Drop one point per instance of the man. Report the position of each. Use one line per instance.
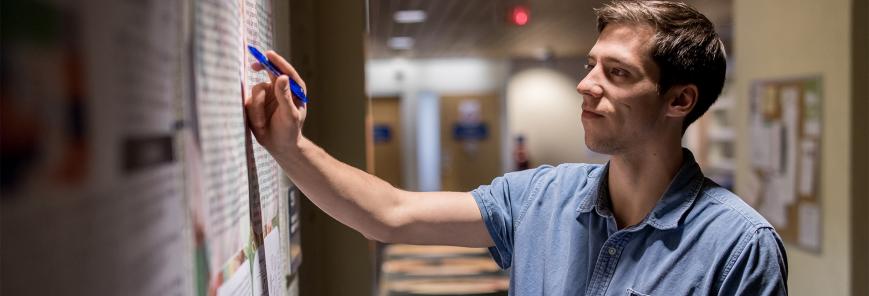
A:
(646, 223)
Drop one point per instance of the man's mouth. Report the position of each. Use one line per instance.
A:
(588, 114)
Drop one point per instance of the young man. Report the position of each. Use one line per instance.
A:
(646, 223)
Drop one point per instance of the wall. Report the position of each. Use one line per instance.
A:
(785, 39)
(451, 75)
(543, 106)
(428, 152)
(327, 50)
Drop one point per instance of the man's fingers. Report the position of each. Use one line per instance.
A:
(285, 67)
(256, 67)
(282, 90)
(286, 97)
(255, 105)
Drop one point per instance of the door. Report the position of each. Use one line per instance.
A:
(470, 139)
(386, 118)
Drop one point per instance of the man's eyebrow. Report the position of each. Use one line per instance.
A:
(615, 60)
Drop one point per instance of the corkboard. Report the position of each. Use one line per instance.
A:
(785, 128)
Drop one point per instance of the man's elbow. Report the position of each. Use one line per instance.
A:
(388, 229)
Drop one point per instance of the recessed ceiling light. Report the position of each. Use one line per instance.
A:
(401, 42)
(409, 16)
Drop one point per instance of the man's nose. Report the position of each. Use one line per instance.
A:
(589, 87)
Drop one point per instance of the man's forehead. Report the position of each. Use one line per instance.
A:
(627, 43)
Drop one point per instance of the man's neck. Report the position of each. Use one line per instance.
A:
(638, 179)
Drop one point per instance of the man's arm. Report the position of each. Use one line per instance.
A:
(353, 197)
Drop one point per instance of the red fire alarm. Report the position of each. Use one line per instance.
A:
(520, 15)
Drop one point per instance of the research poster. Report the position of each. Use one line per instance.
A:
(127, 163)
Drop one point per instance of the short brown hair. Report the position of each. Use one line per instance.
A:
(686, 47)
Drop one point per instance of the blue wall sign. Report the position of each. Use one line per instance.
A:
(470, 131)
(382, 133)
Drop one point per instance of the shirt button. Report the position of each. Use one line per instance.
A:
(612, 251)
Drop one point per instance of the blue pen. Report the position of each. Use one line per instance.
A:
(294, 87)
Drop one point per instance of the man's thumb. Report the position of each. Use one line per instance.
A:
(282, 90)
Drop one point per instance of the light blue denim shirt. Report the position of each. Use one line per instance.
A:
(553, 228)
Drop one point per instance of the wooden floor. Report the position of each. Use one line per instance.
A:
(440, 270)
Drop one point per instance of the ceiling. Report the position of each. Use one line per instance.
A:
(481, 28)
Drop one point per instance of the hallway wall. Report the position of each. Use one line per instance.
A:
(327, 50)
(543, 106)
(787, 39)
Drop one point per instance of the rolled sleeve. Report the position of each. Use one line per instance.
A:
(500, 204)
(496, 224)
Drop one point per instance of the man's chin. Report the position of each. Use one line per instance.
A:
(598, 150)
(600, 147)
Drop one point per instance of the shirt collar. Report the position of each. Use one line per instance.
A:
(673, 205)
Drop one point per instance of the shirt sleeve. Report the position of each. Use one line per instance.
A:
(501, 205)
(759, 269)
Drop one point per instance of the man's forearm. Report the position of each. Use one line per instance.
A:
(351, 196)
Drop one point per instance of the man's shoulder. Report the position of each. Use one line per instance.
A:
(729, 227)
(721, 207)
(582, 170)
(567, 168)
(565, 172)
(754, 251)
(564, 181)
(574, 178)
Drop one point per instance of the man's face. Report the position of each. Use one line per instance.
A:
(621, 107)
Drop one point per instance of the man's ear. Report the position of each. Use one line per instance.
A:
(681, 100)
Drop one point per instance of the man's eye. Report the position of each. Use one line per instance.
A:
(619, 72)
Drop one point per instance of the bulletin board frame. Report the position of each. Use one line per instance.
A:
(786, 129)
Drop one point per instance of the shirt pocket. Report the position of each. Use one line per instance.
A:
(632, 292)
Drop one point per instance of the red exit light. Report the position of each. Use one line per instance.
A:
(520, 15)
